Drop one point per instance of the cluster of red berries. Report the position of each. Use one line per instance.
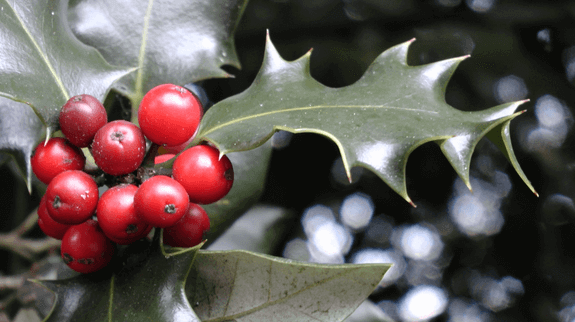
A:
(89, 224)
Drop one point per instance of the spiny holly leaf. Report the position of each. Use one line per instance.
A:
(20, 131)
(42, 64)
(376, 122)
(250, 172)
(248, 286)
(149, 286)
(170, 41)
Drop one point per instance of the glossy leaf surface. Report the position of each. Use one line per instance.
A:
(252, 287)
(20, 131)
(148, 286)
(375, 122)
(41, 62)
(169, 41)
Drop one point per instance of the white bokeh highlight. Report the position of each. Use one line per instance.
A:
(423, 303)
(356, 211)
(418, 242)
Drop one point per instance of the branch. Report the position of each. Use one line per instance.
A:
(27, 248)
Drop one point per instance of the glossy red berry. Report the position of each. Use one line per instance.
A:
(48, 225)
(85, 248)
(189, 231)
(161, 201)
(119, 147)
(72, 197)
(169, 114)
(80, 118)
(205, 177)
(117, 215)
(57, 156)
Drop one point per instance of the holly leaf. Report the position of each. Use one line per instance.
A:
(375, 122)
(42, 64)
(248, 286)
(20, 131)
(149, 286)
(170, 41)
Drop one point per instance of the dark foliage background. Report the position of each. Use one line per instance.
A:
(521, 269)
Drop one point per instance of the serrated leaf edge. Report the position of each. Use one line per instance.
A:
(398, 53)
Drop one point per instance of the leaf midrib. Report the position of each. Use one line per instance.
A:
(280, 300)
(41, 53)
(142, 53)
(306, 108)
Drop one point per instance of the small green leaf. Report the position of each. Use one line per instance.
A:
(42, 64)
(148, 286)
(169, 41)
(20, 131)
(376, 122)
(245, 286)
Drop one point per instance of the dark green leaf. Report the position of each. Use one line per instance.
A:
(20, 131)
(376, 122)
(149, 286)
(41, 62)
(169, 41)
(245, 286)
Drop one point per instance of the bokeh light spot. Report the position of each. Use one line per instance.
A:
(356, 211)
(422, 303)
(420, 243)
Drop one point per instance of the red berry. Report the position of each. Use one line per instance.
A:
(189, 231)
(57, 156)
(49, 226)
(163, 158)
(161, 201)
(169, 114)
(117, 215)
(206, 177)
(119, 147)
(85, 248)
(80, 118)
(72, 197)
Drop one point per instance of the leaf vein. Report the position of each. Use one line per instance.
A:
(111, 302)
(233, 286)
(283, 299)
(306, 108)
(41, 53)
(142, 52)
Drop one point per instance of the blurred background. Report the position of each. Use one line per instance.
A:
(497, 254)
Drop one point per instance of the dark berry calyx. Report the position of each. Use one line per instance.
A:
(57, 203)
(117, 136)
(67, 258)
(229, 174)
(131, 229)
(170, 209)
